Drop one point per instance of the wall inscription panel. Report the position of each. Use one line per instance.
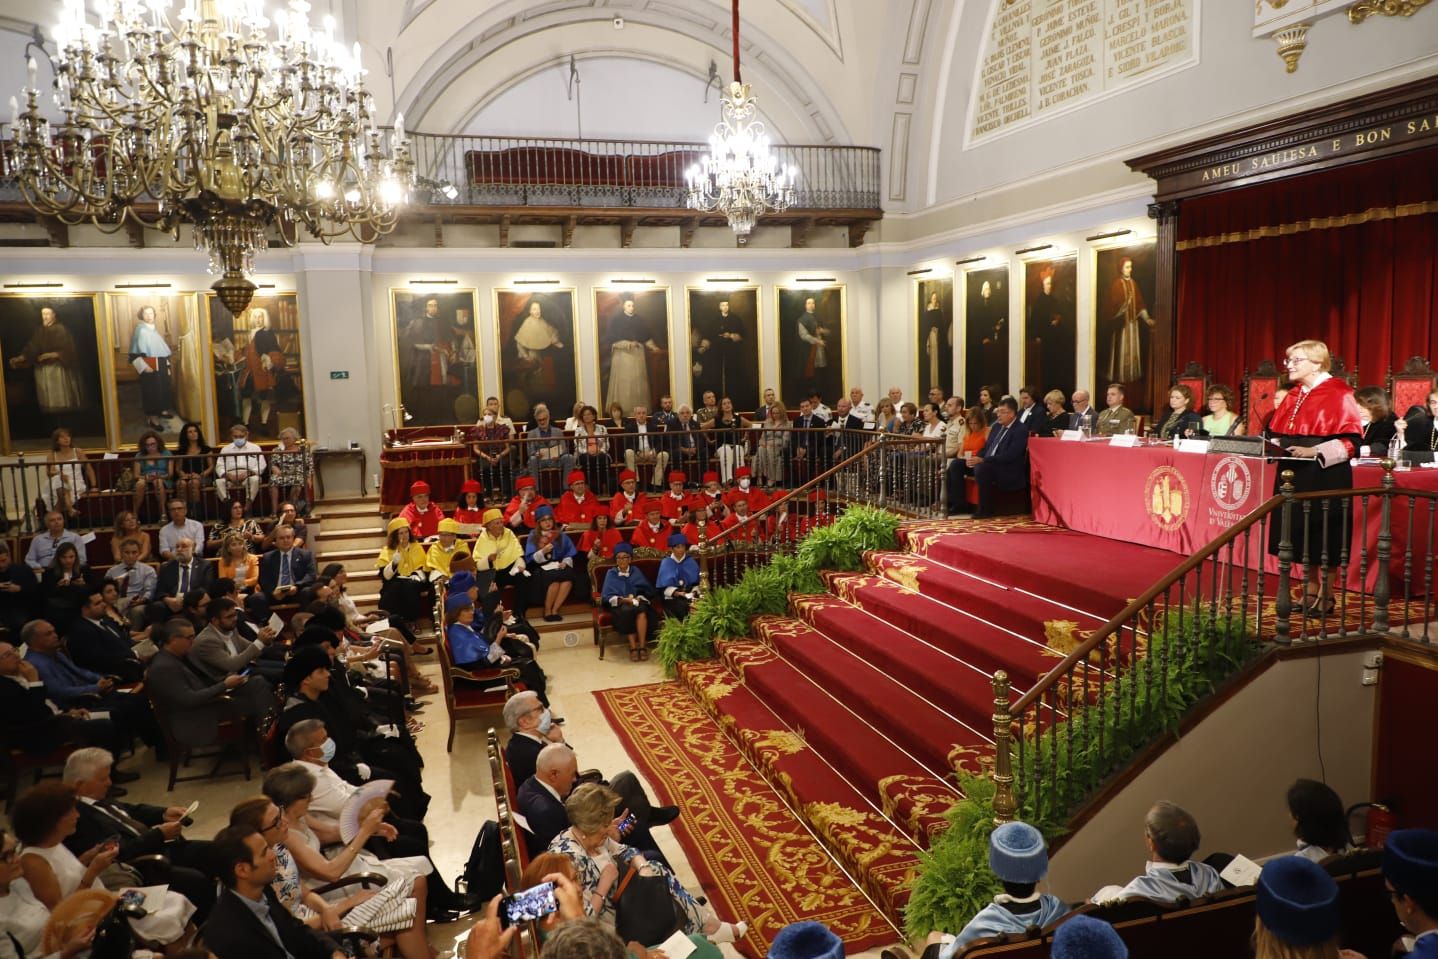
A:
(1047, 56)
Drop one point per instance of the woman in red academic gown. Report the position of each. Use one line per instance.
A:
(1317, 422)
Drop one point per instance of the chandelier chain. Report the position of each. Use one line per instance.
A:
(740, 176)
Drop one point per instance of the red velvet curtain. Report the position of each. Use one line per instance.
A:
(1369, 290)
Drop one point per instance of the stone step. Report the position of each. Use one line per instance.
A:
(332, 522)
(355, 561)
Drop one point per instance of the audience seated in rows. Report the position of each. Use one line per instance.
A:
(38, 725)
(248, 920)
(44, 817)
(139, 829)
(1171, 837)
(399, 907)
(477, 646)
(362, 749)
(195, 704)
(308, 742)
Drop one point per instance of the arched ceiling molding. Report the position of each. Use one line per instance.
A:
(673, 63)
(778, 74)
(412, 9)
(941, 95)
(827, 28)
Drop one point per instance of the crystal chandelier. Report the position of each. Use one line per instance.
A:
(740, 177)
(204, 119)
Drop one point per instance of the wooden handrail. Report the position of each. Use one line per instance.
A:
(813, 483)
(1122, 618)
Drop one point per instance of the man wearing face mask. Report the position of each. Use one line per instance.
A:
(309, 742)
(239, 464)
(362, 754)
(745, 489)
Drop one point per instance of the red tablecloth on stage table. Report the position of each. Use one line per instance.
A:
(1157, 496)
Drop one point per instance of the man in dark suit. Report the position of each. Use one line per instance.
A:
(143, 830)
(94, 644)
(531, 729)
(248, 922)
(30, 720)
(645, 448)
(811, 440)
(18, 584)
(1084, 415)
(1033, 416)
(1003, 463)
(685, 445)
(541, 796)
(286, 569)
(193, 704)
(182, 574)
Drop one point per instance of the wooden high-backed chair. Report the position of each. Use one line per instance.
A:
(1410, 386)
(1259, 388)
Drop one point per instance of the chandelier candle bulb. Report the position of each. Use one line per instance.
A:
(203, 119)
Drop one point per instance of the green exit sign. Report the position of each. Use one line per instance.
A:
(339, 374)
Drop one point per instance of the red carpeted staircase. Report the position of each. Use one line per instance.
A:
(862, 702)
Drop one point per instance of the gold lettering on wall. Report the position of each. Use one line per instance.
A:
(1043, 56)
(1358, 141)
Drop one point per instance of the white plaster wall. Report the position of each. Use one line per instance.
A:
(1239, 807)
(673, 106)
(1239, 80)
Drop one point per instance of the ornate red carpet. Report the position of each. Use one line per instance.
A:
(852, 714)
(753, 856)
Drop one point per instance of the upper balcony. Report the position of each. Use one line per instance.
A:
(571, 182)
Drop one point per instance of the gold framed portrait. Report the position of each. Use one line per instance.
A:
(255, 363)
(724, 353)
(538, 358)
(634, 360)
(812, 350)
(934, 332)
(436, 361)
(51, 353)
(156, 365)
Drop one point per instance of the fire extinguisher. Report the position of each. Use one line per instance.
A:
(1377, 820)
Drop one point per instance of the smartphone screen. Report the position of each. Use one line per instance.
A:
(533, 903)
(627, 824)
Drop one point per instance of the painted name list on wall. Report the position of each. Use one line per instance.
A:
(1046, 56)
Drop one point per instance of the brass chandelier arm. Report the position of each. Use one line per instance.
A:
(216, 124)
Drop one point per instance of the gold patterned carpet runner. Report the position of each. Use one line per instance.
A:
(753, 856)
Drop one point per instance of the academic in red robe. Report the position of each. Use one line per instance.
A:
(646, 535)
(574, 510)
(1325, 417)
(423, 523)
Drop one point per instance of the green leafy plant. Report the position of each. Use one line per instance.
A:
(765, 590)
(954, 877)
(1189, 653)
(681, 641)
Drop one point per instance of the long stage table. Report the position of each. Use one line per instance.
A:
(1157, 496)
